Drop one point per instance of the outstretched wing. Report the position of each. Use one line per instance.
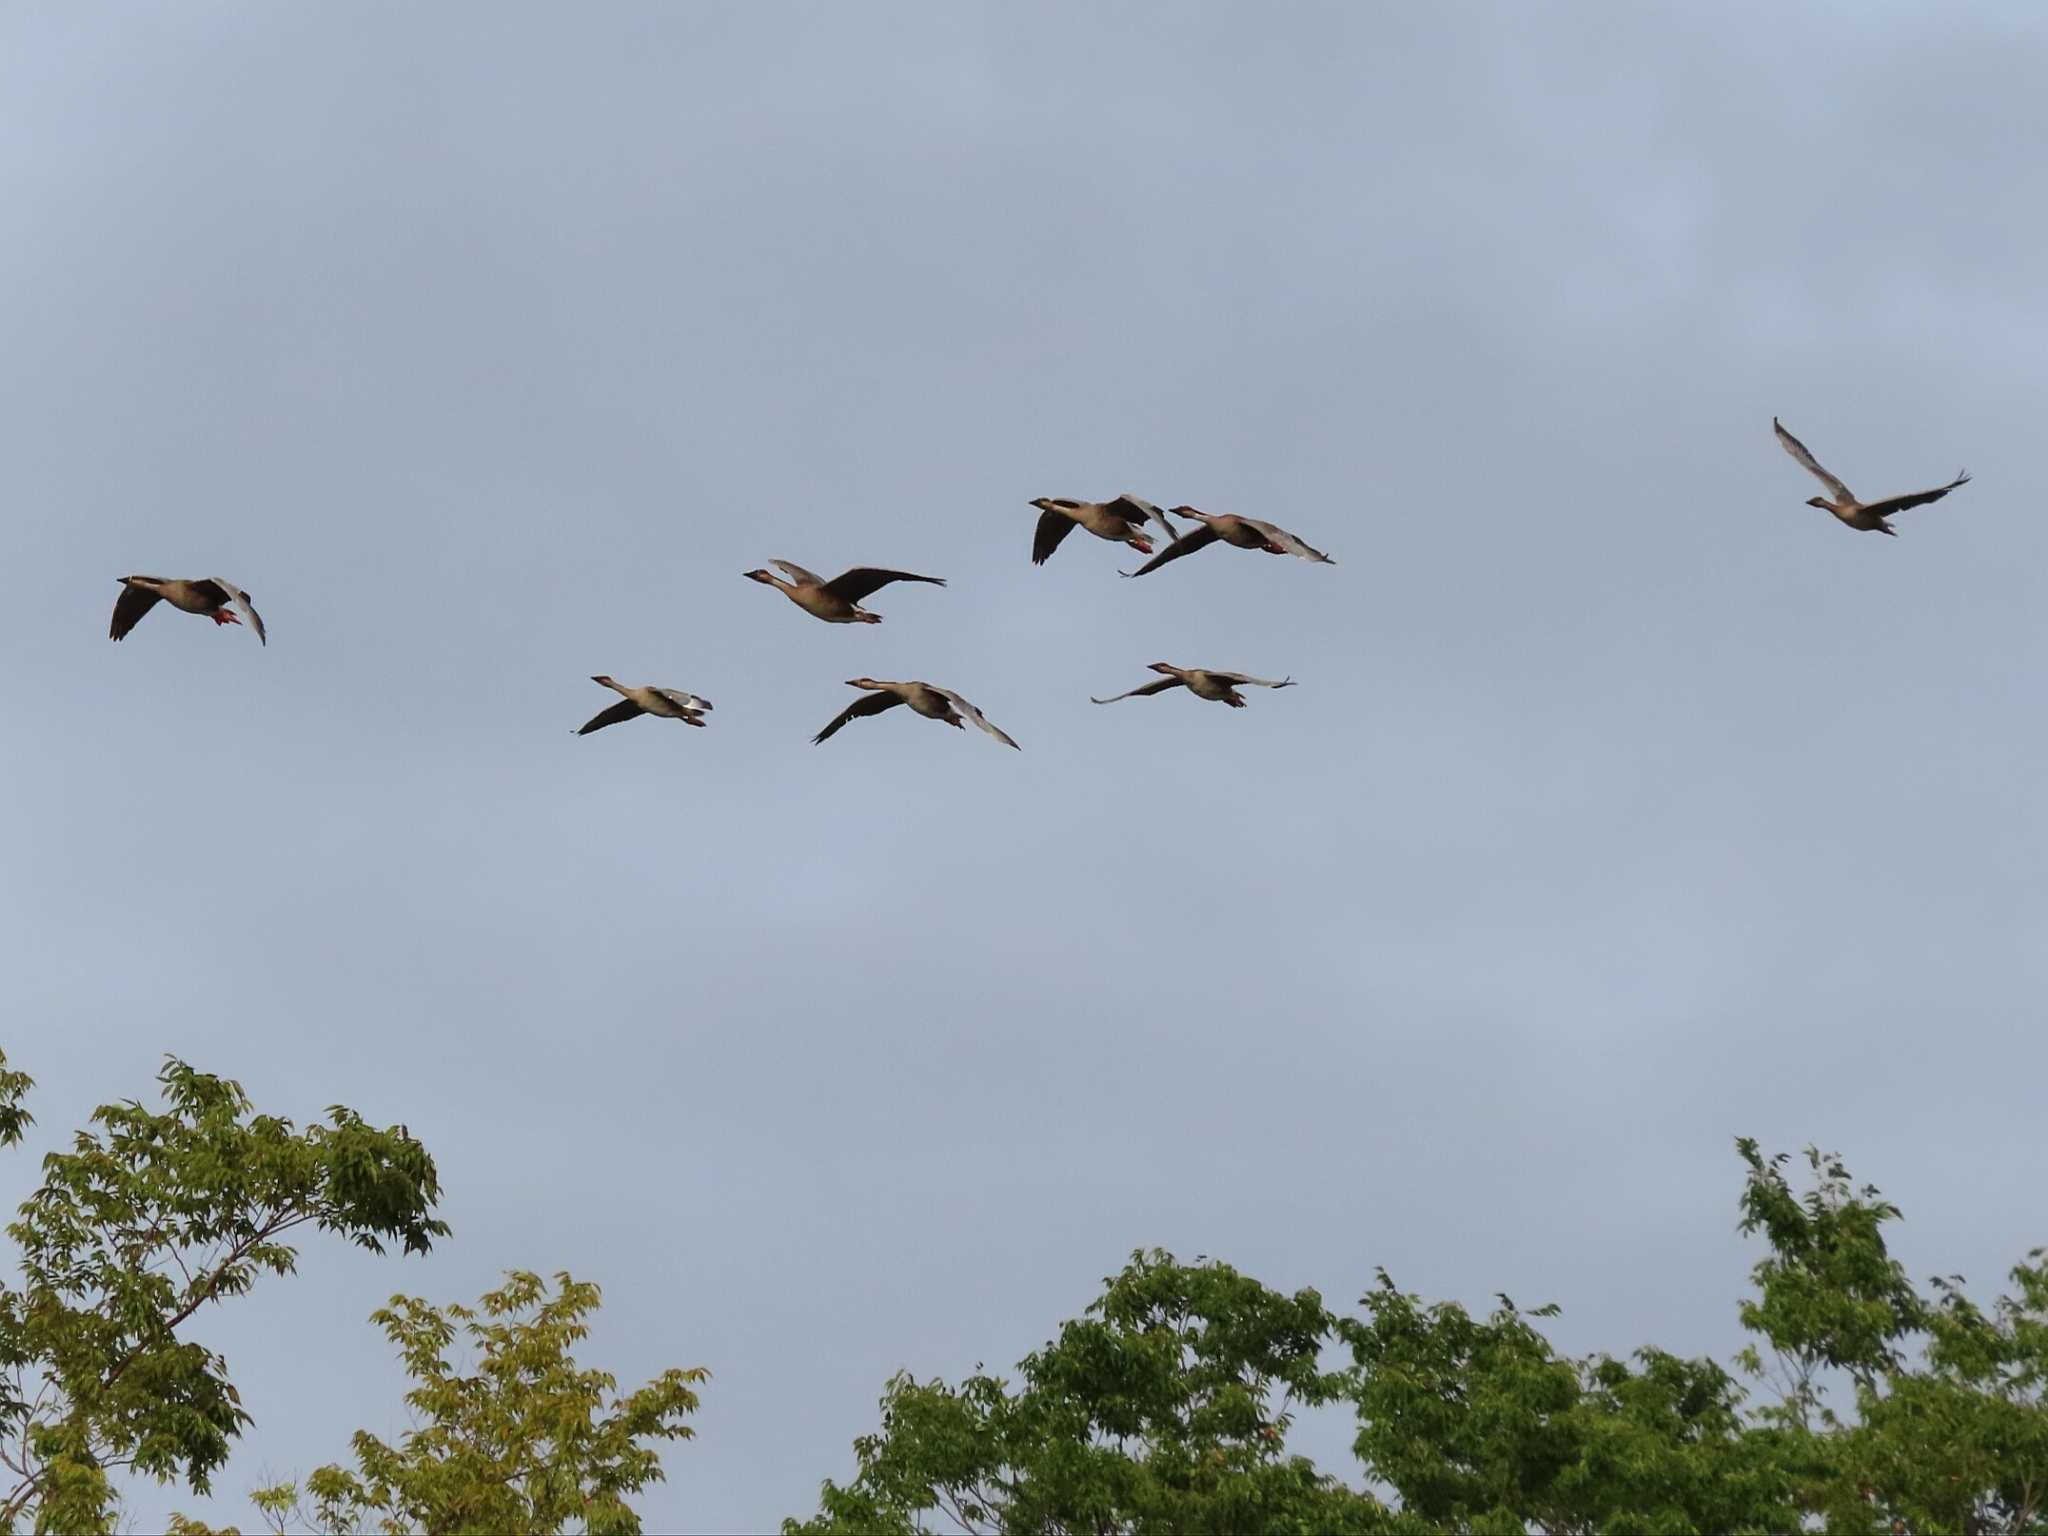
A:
(857, 583)
(1052, 527)
(1798, 451)
(240, 599)
(1239, 680)
(1285, 540)
(866, 704)
(798, 574)
(1201, 538)
(129, 608)
(1145, 692)
(681, 700)
(1137, 511)
(968, 711)
(1893, 504)
(625, 709)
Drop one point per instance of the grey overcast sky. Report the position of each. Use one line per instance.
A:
(1625, 805)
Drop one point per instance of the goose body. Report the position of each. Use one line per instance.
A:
(1217, 687)
(219, 600)
(1121, 521)
(836, 601)
(668, 703)
(1864, 516)
(932, 702)
(1242, 532)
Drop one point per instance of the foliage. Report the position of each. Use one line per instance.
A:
(1163, 1410)
(526, 1442)
(1481, 1425)
(150, 1217)
(1829, 1293)
(1152, 1413)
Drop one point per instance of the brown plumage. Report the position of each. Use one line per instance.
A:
(1864, 516)
(221, 601)
(925, 699)
(1121, 521)
(668, 703)
(836, 601)
(1217, 687)
(1242, 532)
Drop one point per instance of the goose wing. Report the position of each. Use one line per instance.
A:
(1287, 541)
(1159, 686)
(1798, 451)
(1893, 504)
(1052, 528)
(1137, 511)
(1201, 538)
(249, 613)
(866, 704)
(798, 574)
(862, 580)
(129, 608)
(226, 593)
(688, 702)
(625, 709)
(968, 711)
(1239, 680)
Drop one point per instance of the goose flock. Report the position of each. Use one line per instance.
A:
(1122, 520)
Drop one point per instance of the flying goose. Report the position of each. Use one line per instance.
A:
(1217, 687)
(1120, 521)
(836, 601)
(211, 596)
(666, 702)
(1864, 516)
(1244, 532)
(932, 703)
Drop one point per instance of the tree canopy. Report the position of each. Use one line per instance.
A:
(1862, 1404)
(1164, 1409)
(150, 1217)
(526, 1441)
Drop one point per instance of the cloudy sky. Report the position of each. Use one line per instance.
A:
(1625, 805)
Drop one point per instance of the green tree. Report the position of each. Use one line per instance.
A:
(1830, 1297)
(526, 1441)
(1884, 1410)
(1480, 1425)
(150, 1217)
(1947, 1429)
(1165, 1409)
